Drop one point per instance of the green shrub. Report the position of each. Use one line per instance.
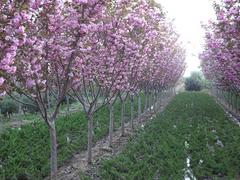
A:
(8, 106)
(195, 82)
(192, 85)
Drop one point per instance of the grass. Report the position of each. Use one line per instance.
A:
(158, 151)
(25, 152)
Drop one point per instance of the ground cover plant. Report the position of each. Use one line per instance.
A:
(192, 126)
(23, 150)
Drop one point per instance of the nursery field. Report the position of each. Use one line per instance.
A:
(24, 151)
(191, 139)
(90, 89)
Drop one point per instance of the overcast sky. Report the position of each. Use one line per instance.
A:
(188, 16)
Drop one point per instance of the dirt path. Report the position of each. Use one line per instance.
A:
(78, 163)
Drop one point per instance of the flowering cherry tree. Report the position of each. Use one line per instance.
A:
(220, 58)
(37, 56)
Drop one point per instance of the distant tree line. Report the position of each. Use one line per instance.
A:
(196, 82)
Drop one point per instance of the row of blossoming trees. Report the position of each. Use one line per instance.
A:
(221, 57)
(94, 50)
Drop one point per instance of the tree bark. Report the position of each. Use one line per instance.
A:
(139, 104)
(151, 100)
(132, 111)
(145, 101)
(20, 110)
(68, 105)
(232, 105)
(148, 100)
(90, 137)
(229, 97)
(48, 100)
(236, 103)
(122, 117)
(53, 139)
(111, 124)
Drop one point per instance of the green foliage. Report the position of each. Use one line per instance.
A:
(195, 82)
(8, 106)
(25, 152)
(159, 150)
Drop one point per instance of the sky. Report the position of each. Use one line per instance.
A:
(188, 16)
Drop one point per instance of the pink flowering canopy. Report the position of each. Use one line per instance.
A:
(124, 45)
(221, 56)
(12, 36)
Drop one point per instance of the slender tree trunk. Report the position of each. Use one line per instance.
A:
(139, 104)
(53, 139)
(48, 100)
(236, 103)
(111, 122)
(229, 100)
(132, 111)
(20, 107)
(68, 105)
(145, 101)
(156, 99)
(90, 137)
(20, 110)
(149, 100)
(123, 117)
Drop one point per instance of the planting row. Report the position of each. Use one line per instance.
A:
(191, 139)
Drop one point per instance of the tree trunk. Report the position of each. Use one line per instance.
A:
(20, 107)
(132, 111)
(229, 100)
(236, 103)
(20, 110)
(139, 104)
(159, 98)
(90, 137)
(111, 122)
(145, 101)
(48, 100)
(53, 138)
(149, 100)
(232, 104)
(68, 105)
(123, 117)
